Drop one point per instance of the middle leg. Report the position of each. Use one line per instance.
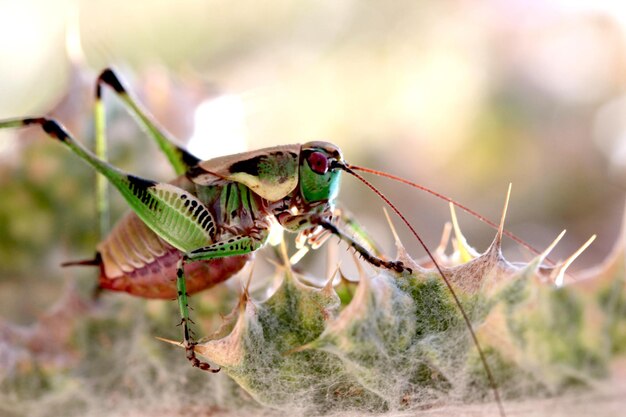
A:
(237, 245)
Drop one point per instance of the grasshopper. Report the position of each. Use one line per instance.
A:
(189, 234)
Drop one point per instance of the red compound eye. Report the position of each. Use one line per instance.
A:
(318, 162)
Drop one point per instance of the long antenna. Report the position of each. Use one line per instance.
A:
(483, 359)
(456, 203)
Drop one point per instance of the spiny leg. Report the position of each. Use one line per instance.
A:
(238, 245)
(397, 266)
(183, 306)
(305, 225)
(352, 225)
(179, 158)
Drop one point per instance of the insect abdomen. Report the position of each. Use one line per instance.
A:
(135, 260)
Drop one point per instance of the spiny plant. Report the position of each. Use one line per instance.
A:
(388, 343)
(398, 341)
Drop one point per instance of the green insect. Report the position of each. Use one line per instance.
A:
(201, 228)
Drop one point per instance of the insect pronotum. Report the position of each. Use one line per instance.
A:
(201, 228)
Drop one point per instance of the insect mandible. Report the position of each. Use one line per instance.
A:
(201, 228)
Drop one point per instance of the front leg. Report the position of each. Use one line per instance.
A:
(237, 245)
(342, 221)
(397, 266)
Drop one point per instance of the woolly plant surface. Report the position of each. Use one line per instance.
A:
(390, 344)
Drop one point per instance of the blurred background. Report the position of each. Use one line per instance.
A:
(463, 97)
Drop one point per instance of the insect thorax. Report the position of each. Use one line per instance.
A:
(236, 209)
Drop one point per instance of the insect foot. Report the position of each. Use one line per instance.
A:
(190, 354)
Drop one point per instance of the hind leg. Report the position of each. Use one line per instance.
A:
(180, 159)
